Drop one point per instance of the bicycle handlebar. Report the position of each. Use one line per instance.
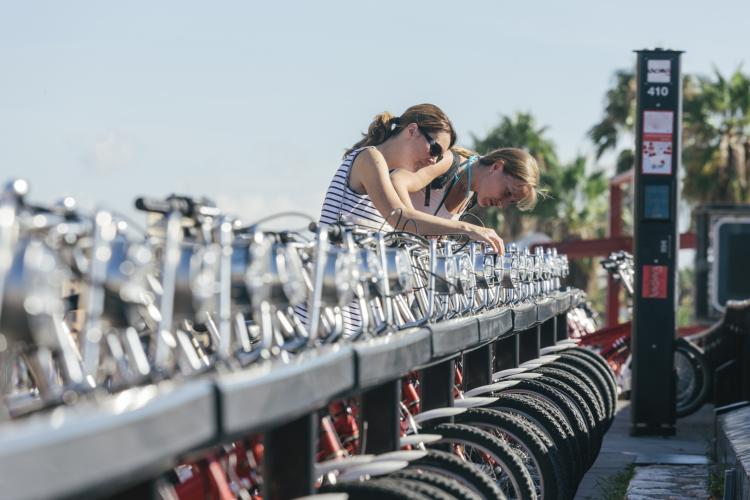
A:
(185, 205)
(335, 231)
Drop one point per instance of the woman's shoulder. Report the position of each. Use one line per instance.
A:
(368, 152)
(368, 155)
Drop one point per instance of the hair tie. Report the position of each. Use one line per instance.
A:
(395, 121)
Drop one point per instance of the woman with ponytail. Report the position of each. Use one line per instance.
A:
(417, 142)
(502, 177)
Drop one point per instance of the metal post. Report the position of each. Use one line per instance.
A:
(289, 455)
(478, 367)
(437, 385)
(506, 353)
(528, 348)
(547, 335)
(381, 417)
(615, 230)
(658, 126)
(561, 326)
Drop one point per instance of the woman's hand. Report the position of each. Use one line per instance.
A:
(486, 235)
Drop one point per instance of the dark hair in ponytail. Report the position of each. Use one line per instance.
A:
(385, 125)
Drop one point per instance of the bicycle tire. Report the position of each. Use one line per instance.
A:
(597, 359)
(423, 488)
(567, 407)
(518, 478)
(549, 480)
(588, 379)
(453, 488)
(584, 408)
(448, 464)
(375, 489)
(587, 367)
(601, 367)
(572, 440)
(555, 434)
(581, 382)
(700, 372)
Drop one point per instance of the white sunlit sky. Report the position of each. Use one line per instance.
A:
(252, 103)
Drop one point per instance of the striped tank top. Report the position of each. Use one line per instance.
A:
(341, 202)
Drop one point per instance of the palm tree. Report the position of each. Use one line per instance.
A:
(618, 120)
(716, 137)
(580, 203)
(716, 130)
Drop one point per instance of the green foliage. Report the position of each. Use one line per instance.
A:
(519, 131)
(619, 113)
(716, 481)
(716, 158)
(579, 206)
(685, 297)
(716, 133)
(614, 487)
(716, 139)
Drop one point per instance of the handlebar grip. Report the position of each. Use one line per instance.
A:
(153, 205)
(173, 203)
(335, 231)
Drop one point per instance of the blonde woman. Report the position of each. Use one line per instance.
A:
(503, 177)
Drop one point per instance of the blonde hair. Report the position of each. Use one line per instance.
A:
(428, 117)
(516, 163)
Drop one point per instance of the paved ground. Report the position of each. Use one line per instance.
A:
(620, 449)
(668, 482)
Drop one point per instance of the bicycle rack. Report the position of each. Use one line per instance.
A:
(278, 398)
(105, 446)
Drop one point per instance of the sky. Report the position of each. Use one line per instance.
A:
(253, 103)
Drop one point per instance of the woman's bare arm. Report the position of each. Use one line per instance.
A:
(406, 182)
(369, 174)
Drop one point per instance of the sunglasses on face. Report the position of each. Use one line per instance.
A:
(436, 150)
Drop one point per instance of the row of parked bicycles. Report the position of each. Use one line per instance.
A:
(693, 372)
(93, 305)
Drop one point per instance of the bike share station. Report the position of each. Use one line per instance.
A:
(119, 453)
(143, 416)
(655, 241)
(721, 280)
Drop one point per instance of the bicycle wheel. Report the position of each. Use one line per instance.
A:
(492, 456)
(600, 364)
(553, 427)
(375, 489)
(543, 466)
(453, 488)
(562, 403)
(423, 488)
(574, 444)
(598, 361)
(451, 466)
(583, 390)
(693, 378)
(610, 398)
(584, 408)
(585, 387)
